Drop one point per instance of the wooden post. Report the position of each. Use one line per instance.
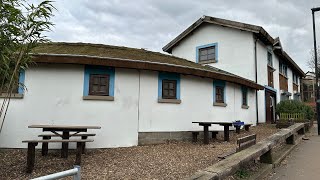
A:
(194, 136)
(214, 135)
(44, 151)
(205, 134)
(31, 156)
(238, 129)
(226, 132)
(84, 144)
(247, 127)
(79, 152)
(64, 150)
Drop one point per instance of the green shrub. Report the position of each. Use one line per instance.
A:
(293, 106)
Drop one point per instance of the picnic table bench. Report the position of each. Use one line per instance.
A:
(48, 136)
(238, 125)
(196, 133)
(33, 143)
(206, 125)
(65, 133)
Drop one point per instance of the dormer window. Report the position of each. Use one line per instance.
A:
(207, 53)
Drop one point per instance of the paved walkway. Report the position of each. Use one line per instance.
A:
(303, 162)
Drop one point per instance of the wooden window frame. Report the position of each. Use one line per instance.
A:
(206, 48)
(219, 96)
(269, 54)
(91, 84)
(174, 89)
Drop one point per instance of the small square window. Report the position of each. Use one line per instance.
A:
(169, 89)
(99, 84)
(207, 53)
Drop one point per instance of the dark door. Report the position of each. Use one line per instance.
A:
(270, 106)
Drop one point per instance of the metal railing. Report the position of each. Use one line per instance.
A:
(75, 172)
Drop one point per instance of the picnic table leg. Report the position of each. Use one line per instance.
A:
(84, 144)
(238, 129)
(64, 150)
(206, 134)
(226, 132)
(79, 152)
(31, 156)
(44, 151)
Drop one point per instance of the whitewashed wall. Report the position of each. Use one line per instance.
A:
(54, 96)
(235, 48)
(196, 105)
(55, 93)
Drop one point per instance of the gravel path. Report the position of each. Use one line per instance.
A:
(173, 160)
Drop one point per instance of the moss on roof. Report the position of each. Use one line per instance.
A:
(108, 51)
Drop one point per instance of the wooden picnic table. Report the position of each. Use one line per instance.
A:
(206, 125)
(65, 133)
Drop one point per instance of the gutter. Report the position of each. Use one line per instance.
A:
(256, 76)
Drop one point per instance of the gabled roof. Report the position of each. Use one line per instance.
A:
(259, 32)
(124, 57)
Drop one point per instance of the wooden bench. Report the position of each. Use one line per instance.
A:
(246, 127)
(33, 143)
(196, 133)
(242, 143)
(246, 142)
(48, 136)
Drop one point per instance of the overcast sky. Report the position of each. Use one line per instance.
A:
(152, 24)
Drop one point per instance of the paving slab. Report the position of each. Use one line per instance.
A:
(303, 162)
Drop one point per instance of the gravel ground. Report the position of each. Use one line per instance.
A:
(173, 160)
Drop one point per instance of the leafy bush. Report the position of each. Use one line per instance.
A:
(293, 106)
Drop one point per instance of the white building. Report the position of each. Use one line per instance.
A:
(136, 96)
(245, 50)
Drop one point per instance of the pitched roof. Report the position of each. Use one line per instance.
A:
(259, 32)
(124, 57)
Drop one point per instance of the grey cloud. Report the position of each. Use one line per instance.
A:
(153, 23)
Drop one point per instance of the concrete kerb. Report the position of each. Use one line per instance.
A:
(232, 163)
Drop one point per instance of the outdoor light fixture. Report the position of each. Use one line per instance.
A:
(316, 67)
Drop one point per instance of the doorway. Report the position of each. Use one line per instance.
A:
(270, 106)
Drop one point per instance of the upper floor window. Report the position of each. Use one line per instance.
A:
(295, 78)
(169, 88)
(219, 93)
(98, 83)
(270, 63)
(207, 53)
(283, 69)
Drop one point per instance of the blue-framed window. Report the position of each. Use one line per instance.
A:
(168, 86)
(22, 76)
(99, 81)
(244, 91)
(219, 91)
(283, 69)
(269, 56)
(207, 53)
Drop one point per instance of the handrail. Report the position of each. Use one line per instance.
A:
(75, 172)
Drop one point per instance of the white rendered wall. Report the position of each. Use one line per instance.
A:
(54, 96)
(196, 105)
(235, 48)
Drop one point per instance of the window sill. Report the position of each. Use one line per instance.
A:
(13, 95)
(208, 61)
(283, 75)
(220, 104)
(245, 107)
(172, 101)
(273, 69)
(100, 98)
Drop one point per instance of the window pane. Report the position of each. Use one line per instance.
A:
(211, 50)
(211, 56)
(171, 85)
(165, 92)
(165, 85)
(95, 88)
(203, 58)
(203, 52)
(171, 93)
(103, 89)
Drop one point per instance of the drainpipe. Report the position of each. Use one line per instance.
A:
(256, 75)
